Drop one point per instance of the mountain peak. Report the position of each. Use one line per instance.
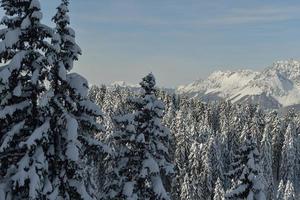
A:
(279, 84)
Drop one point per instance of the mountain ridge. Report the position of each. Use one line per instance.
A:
(275, 87)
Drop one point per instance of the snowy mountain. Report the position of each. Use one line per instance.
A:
(124, 84)
(275, 87)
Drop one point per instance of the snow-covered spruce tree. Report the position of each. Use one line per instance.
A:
(219, 193)
(266, 161)
(197, 180)
(288, 157)
(143, 166)
(289, 193)
(277, 141)
(24, 124)
(123, 171)
(246, 172)
(97, 94)
(280, 190)
(179, 129)
(72, 116)
(153, 139)
(258, 125)
(213, 166)
(186, 189)
(94, 91)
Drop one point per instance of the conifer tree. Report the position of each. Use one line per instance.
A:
(94, 92)
(280, 190)
(219, 193)
(213, 166)
(246, 172)
(266, 161)
(288, 162)
(143, 167)
(153, 139)
(24, 124)
(73, 116)
(277, 142)
(198, 178)
(186, 189)
(123, 166)
(289, 193)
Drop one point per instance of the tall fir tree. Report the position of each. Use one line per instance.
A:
(122, 172)
(143, 166)
(213, 166)
(154, 143)
(266, 161)
(73, 116)
(219, 193)
(247, 172)
(277, 141)
(280, 190)
(288, 155)
(289, 193)
(198, 179)
(24, 124)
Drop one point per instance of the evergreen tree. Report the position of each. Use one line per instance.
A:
(219, 193)
(213, 166)
(123, 167)
(73, 116)
(289, 193)
(258, 125)
(24, 125)
(142, 167)
(280, 191)
(179, 129)
(246, 172)
(266, 162)
(93, 93)
(288, 162)
(186, 190)
(198, 178)
(277, 142)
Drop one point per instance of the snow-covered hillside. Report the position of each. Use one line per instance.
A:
(275, 87)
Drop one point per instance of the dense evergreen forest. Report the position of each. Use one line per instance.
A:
(61, 140)
(218, 147)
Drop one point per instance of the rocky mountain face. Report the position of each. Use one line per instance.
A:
(275, 87)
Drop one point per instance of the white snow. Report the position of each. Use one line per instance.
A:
(78, 83)
(151, 165)
(35, 4)
(37, 15)
(10, 110)
(18, 90)
(158, 188)
(37, 135)
(25, 23)
(72, 151)
(91, 107)
(16, 62)
(281, 83)
(62, 72)
(128, 189)
(9, 135)
(11, 38)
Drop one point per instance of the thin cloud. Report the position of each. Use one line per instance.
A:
(240, 16)
(257, 15)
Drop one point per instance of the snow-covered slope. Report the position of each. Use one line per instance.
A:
(124, 84)
(275, 87)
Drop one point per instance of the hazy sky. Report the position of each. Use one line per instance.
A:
(180, 40)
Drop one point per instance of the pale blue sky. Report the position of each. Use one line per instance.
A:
(180, 40)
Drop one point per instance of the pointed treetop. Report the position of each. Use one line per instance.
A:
(35, 4)
(61, 17)
(148, 83)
